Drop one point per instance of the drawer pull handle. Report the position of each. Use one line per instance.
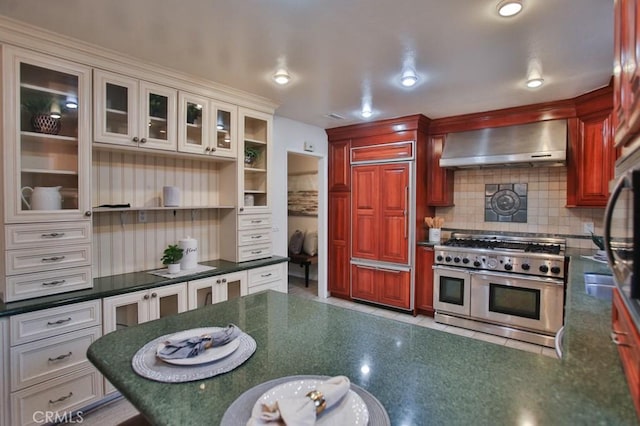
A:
(53, 235)
(60, 321)
(255, 237)
(614, 339)
(62, 398)
(61, 357)
(266, 275)
(256, 221)
(256, 252)
(52, 259)
(56, 282)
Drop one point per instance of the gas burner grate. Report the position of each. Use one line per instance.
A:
(525, 247)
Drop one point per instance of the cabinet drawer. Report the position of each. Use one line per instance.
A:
(46, 359)
(52, 322)
(276, 285)
(67, 393)
(254, 221)
(258, 236)
(386, 152)
(265, 274)
(258, 251)
(47, 259)
(47, 234)
(20, 287)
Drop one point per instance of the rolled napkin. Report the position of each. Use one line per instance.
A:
(302, 410)
(194, 346)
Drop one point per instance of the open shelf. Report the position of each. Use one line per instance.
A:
(50, 171)
(255, 141)
(48, 90)
(28, 136)
(134, 208)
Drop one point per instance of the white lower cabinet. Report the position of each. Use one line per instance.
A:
(49, 371)
(271, 277)
(141, 306)
(207, 291)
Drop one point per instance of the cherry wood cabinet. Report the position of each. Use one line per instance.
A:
(626, 75)
(386, 286)
(424, 281)
(339, 244)
(380, 206)
(626, 337)
(339, 166)
(591, 152)
(439, 180)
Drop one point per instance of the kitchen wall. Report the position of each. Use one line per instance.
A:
(546, 212)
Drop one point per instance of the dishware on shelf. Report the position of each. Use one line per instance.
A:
(171, 196)
(43, 197)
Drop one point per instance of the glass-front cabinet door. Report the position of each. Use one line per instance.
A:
(207, 291)
(193, 127)
(254, 162)
(225, 118)
(46, 135)
(132, 112)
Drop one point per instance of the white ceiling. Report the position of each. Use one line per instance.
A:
(468, 58)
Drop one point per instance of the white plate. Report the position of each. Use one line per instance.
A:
(350, 410)
(209, 355)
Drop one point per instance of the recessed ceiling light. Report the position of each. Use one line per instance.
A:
(534, 83)
(508, 8)
(281, 76)
(409, 78)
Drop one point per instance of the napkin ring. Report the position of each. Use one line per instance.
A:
(318, 400)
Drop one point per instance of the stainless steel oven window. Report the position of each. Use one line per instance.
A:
(452, 290)
(518, 301)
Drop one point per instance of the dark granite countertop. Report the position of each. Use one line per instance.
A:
(421, 375)
(127, 283)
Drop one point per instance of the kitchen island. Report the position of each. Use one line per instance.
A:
(421, 376)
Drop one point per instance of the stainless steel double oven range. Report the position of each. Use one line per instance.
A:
(503, 285)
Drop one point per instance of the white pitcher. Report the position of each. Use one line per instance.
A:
(43, 197)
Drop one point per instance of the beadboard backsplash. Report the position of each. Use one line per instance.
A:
(121, 243)
(546, 211)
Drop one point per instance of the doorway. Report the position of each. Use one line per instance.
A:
(302, 216)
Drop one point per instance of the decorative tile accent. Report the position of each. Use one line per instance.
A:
(506, 202)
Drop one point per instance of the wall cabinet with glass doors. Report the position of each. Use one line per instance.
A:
(254, 163)
(46, 137)
(134, 113)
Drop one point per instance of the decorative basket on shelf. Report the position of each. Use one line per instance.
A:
(44, 123)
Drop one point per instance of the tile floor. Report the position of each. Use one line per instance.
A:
(296, 286)
(120, 410)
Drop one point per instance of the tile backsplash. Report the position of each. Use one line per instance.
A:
(546, 211)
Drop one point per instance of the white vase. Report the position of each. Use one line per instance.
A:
(173, 268)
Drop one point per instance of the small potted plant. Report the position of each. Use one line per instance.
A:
(40, 107)
(171, 257)
(193, 113)
(251, 154)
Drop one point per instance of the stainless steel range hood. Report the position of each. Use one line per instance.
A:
(542, 143)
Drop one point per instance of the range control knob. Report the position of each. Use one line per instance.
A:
(456, 259)
(465, 260)
(476, 263)
(447, 259)
(555, 269)
(544, 269)
(526, 266)
(508, 266)
(439, 258)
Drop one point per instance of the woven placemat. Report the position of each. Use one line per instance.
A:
(239, 412)
(146, 364)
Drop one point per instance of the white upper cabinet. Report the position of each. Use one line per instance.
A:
(46, 137)
(225, 123)
(254, 161)
(133, 112)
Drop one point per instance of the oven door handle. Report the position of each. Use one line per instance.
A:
(535, 280)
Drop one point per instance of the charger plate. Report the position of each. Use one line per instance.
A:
(146, 364)
(239, 412)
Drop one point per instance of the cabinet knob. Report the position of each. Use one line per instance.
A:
(154, 294)
(207, 149)
(143, 140)
(213, 149)
(135, 139)
(241, 209)
(218, 281)
(224, 280)
(145, 297)
(87, 213)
